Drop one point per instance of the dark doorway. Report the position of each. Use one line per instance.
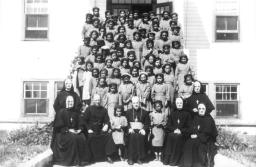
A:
(141, 8)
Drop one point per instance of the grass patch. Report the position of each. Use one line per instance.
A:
(23, 144)
(245, 147)
(11, 155)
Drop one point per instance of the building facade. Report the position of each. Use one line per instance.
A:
(39, 39)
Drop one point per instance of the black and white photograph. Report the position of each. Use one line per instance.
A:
(120, 83)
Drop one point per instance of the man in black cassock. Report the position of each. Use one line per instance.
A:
(100, 141)
(138, 124)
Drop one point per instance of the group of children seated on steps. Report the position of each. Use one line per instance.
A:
(125, 56)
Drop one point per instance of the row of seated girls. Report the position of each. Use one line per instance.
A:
(126, 56)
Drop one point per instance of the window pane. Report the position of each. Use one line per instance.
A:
(36, 34)
(218, 96)
(227, 36)
(41, 106)
(226, 88)
(43, 86)
(232, 23)
(227, 109)
(233, 88)
(30, 106)
(28, 86)
(36, 86)
(43, 94)
(28, 94)
(220, 23)
(218, 89)
(31, 21)
(42, 20)
(233, 96)
(29, 1)
(36, 94)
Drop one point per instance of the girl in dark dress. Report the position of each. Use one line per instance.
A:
(69, 147)
(176, 133)
(198, 96)
(199, 149)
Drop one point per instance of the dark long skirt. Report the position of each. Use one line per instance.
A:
(101, 146)
(70, 149)
(136, 147)
(173, 149)
(195, 154)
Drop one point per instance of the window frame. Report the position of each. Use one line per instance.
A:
(56, 87)
(227, 31)
(27, 28)
(228, 101)
(24, 98)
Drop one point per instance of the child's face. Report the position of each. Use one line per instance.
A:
(136, 15)
(119, 53)
(94, 35)
(159, 79)
(157, 63)
(134, 72)
(164, 35)
(145, 19)
(131, 57)
(86, 42)
(114, 56)
(99, 58)
(183, 60)
(101, 82)
(89, 67)
(109, 63)
(188, 81)
(158, 107)
(148, 71)
(94, 51)
(88, 19)
(155, 27)
(116, 73)
(126, 79)
(167, 69)
(176, 45)
(151, 36)
(166, 50)
(143, 78)
(136, 37)
(151, 59)
(103, 74)
(95, 23)
(128, 45)
(109, 38)
(166, 15)
(175, 31)
(95, 73)
(137, 64)
(112, 89)
(122, 30)
(149, 45)
(102, 31)
(110, 24)
(118, 112)
(124, 63)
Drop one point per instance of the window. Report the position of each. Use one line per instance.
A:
(227, 100)
(57, 87)
(36, 97)
(227, 28)
(36, 19)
